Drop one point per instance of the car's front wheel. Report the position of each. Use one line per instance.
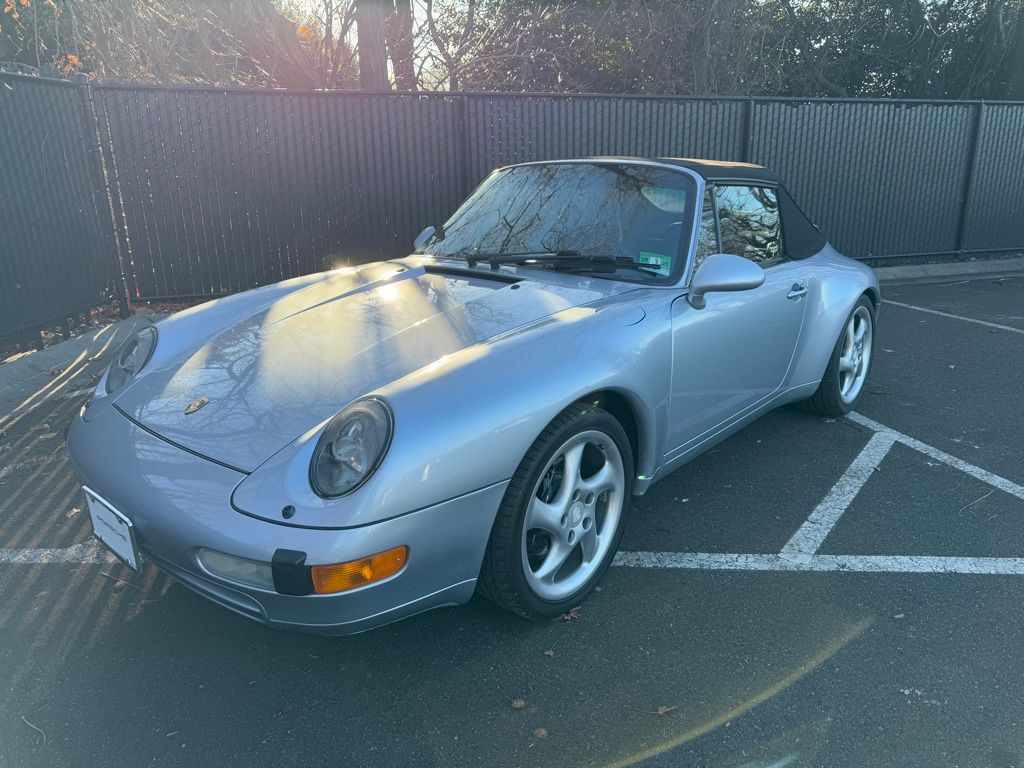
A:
(562, 516)
(843, 383)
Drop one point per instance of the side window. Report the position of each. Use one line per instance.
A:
(707, 240)
(748, 218)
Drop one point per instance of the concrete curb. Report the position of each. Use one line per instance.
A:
(934, 273)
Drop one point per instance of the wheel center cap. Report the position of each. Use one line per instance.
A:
(575, 514)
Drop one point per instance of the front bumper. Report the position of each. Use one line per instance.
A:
(179, 503)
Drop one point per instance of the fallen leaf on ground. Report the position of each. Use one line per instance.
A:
(899, 616)
(663, 710)
(41, 738)
(550, 652)
(540, 733)
(518, 703)
(571, 615)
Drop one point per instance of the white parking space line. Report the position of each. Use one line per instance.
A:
(720, 561)
(954, 317)
(816, 528)
(984, 475)
(799, 553)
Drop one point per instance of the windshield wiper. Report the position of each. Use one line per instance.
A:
(497, 258)
(611, 265)
(566, 261)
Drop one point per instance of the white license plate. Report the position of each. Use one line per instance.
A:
(112, 528)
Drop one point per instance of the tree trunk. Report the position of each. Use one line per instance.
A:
(400, 46)
(923, 45)
(1013, 79)
(985, 67)
(373, 59)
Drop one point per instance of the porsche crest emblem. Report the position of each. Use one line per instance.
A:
(196, 404)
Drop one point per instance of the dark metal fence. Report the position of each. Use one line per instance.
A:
(205, 191)
(57, 246)
(225, 190)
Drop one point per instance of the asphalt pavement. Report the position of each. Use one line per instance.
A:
(721, 637)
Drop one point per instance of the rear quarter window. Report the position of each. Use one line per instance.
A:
(749, 222)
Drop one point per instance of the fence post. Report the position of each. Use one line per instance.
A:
(748, 130)
(965, 192)
(120, 280)
(462, 140)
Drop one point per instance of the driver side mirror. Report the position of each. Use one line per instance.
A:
(723, 272)
(424, 237)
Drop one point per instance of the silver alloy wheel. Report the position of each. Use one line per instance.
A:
(856, 355)
(573, 514)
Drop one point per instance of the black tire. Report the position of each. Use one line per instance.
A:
(502, 578)
(827, 400)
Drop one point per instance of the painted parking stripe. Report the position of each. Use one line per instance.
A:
(984, 475)
(816, 528)
(954, 317)
(719, 561)
(799, 554)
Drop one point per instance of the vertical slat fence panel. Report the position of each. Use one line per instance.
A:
(56, 255)
(207, 191)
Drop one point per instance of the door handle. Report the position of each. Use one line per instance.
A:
(798, 290)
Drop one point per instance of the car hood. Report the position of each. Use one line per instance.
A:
(288, 366)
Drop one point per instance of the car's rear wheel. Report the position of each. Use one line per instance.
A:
(843, 383)
(562, 516)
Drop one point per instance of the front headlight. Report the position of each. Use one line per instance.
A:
(351, 448)
(131, 358)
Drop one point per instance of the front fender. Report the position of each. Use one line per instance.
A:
(465, 421)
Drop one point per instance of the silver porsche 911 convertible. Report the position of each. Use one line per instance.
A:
(345, 449)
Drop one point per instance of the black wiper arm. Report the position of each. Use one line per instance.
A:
(565, 260)
(498, 258)
(611, 266)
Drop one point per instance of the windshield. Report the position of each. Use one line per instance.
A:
(640, 212)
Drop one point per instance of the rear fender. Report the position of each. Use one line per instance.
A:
(838, 282)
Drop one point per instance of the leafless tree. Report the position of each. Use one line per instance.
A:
(892, 48)
(401, 46)
(453, 32)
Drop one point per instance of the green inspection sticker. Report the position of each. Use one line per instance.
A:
(663, 263)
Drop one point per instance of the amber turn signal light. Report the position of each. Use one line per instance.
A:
(328, 579)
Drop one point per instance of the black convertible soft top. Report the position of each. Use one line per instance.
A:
(723, 170)
(711, 170)
(801, 238)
